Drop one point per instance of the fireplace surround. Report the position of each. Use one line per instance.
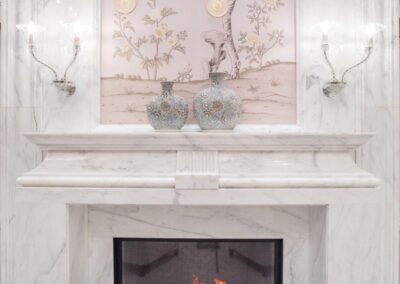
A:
(303, 189)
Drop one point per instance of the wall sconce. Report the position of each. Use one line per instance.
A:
(336, 85)
(62, 83)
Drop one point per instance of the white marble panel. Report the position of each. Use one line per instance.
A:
(62, 112)
(40, 252)
(316, 111)
(379, 111)
(107, 222)
(101, 269)
(120, 163)
(355, 232)
(318, 219)
(17, 155)
(77, 244)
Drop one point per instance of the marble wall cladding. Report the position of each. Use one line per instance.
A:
(60, 112)
(17, 156)
(317, 112)
(362, 253)
(379, 113)
(36, 257)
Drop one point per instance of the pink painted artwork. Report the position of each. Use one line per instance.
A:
(148, 41)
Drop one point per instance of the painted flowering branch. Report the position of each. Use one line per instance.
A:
(133, 48)
(161, 39)
(162, 34)
(185, 75)
(254, 44)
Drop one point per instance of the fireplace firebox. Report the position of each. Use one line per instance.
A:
(198, 261)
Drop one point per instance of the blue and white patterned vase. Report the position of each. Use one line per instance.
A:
(167, 112)
(217, 107)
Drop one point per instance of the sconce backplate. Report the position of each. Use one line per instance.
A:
(330, 89)
(65, 86)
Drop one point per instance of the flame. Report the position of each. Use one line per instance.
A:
(197, 281)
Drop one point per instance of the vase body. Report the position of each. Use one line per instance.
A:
(217, 107)
(167, 112)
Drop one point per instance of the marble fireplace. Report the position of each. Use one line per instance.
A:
(302, 189)
(321, 178)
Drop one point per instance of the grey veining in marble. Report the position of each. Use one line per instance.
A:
(238, 160)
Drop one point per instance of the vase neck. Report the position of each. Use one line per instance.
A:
(166, 88)
(217, 78)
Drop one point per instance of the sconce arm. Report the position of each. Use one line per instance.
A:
(76, 47)
(325, 48)
(33, 49)
(369, 52)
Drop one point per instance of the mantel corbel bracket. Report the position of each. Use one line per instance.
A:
(197, 170)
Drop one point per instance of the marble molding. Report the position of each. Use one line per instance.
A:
(198, 161)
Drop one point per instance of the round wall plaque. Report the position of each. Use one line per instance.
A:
(217, 8)
(125, 6)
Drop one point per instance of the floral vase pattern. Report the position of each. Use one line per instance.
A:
(167, 111)
(217, 107)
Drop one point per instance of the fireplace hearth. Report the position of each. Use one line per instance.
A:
(198, 261)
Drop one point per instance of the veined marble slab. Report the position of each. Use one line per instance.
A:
(202, 161)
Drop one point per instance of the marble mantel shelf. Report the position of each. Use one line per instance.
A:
(196, 168)
(193, 140)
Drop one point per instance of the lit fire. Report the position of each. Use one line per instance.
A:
(197, 281)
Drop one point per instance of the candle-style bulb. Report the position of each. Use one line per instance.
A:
(325, 39)
(30, 40)
(77, 40)
(370, 43)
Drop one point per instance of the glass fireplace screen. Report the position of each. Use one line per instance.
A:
(200, 261)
